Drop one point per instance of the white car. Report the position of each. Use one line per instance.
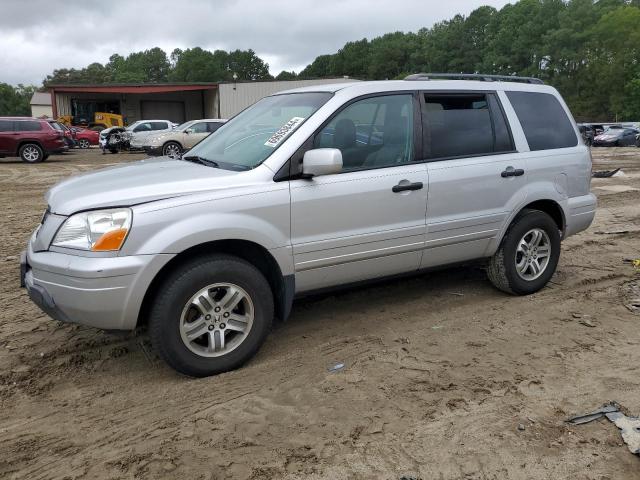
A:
(139, 132)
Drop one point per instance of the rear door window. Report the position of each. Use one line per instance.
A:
(27, 126)
(461, 125)
(545, 123)
(6, 126)
(159, 126)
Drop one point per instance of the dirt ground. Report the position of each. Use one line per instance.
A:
(444, 377)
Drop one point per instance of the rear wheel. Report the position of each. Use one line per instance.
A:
(113, 150)
(31, 153)
(211, 315)
(83, 143)
(528, 255)
(171, 149)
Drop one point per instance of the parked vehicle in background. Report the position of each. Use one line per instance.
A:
(616, 137)
(588, 133)
(142, 130)
(86, 137)
(182, 138)
(31, 139)
(69, 134)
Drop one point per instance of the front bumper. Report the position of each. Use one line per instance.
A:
(101, 292)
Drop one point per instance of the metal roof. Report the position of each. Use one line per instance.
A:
(133, 88)
(40, 98)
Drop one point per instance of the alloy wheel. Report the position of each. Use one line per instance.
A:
(31, 153)
(172, 150)
(216, 320)
(533, 254)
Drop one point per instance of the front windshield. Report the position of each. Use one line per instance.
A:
(249, 138)
(184, 126)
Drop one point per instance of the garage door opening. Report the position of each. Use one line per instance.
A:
(163, 110)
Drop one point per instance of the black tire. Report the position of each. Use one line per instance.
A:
(502, 270)
(83, 143)
(169, 145)
(113, 150)
(44, 158)
(186, 281)
(31, 153)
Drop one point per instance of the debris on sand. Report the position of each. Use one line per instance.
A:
(337, 367)
(629, 426)
(604, 173)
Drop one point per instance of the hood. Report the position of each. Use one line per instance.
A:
(135, 183)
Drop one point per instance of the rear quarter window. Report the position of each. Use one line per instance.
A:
(545, 123)
(28, 126)
(6, 126)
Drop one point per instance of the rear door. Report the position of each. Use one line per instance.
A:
(7, 137)
(476, 177)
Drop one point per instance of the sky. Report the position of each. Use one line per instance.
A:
(39, 36)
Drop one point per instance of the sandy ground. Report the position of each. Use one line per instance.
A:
(444, 378)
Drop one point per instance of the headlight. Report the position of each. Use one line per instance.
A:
(98, 230)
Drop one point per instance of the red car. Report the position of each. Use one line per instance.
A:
(85, 137)
(31, 139)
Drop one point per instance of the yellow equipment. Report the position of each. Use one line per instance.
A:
(101, 120)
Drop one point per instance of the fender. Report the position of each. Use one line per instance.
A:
(537, 191)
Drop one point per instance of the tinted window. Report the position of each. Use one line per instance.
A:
(213, 126)
(543, 120)
(143, 127)
(464, 125)
(503, 142)
(370, 133)
(6, 126)
(27, 126)
(159, 126)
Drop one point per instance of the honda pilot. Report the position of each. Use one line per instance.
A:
(310, 189)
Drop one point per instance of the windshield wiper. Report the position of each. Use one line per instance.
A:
(201, 161)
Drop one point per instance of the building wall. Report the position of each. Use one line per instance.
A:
(235, 97)
(197, 104)
(41, 111)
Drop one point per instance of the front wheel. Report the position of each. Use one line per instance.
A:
(171, 149)
(211, 315)
(528, 255)
(83, 143)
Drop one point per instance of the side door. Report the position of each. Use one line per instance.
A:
(476, 178)
(369, 220)
(194, 134)
(7, 137)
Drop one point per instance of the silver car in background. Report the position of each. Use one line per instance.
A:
(311, 189)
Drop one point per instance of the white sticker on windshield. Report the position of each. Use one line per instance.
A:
(283, 132)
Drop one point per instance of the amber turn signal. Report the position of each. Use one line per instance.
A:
(112, 240)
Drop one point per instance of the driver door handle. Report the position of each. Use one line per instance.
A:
(402, 187)
(512, 172)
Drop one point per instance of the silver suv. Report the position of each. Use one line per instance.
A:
(308, 189)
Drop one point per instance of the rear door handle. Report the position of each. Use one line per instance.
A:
(403, 187)
(512, 172)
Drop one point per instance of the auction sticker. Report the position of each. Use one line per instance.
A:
(283, 132)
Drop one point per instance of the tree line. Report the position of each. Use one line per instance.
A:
(588, 49)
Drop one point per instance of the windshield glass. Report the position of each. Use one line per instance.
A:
(250, 137)
(183, 126)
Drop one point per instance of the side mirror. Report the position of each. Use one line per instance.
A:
(321, 161)
(189, 130)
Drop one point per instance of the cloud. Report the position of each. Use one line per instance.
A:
(39, 36)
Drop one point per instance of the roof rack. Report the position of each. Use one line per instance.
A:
(474, 76)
